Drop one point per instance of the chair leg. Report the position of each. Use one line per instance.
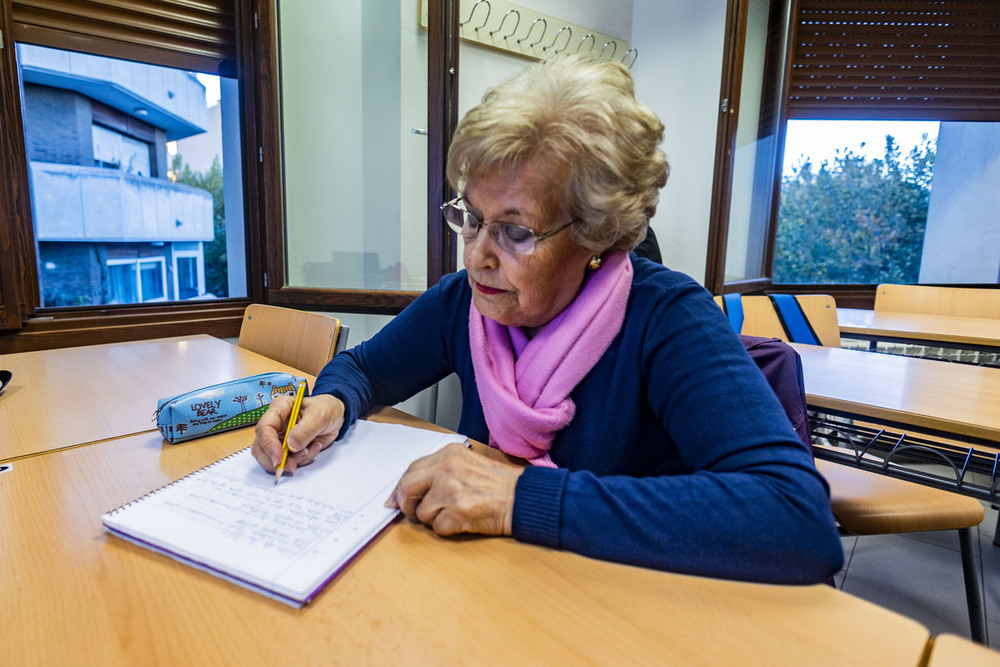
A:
(973, 591)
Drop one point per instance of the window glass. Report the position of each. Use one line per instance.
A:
(353, 106)
(111, 204)
(122, 283)
(107, 147)
(151, 280)
(868, 202)
(755, 148)
(187, 277)
(137, 281)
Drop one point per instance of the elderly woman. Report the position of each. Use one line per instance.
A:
(652, 437)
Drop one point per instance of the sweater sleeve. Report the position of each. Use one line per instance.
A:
(739, 497)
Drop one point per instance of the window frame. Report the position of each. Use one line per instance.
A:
(737, 15)
(25, 325)
(442, 51)
(846, 295)
(137, 263)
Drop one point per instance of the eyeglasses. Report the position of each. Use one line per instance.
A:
(515, 239)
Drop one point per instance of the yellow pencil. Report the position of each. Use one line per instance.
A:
(299, 393)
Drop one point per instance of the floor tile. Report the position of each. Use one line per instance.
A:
(989, 524)
(913, 577)
(947, 539)
(847, 542)
(993, 633)
(991, 576)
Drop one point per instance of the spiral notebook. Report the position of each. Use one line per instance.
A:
(288, 540)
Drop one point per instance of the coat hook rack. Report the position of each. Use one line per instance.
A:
(483, 26)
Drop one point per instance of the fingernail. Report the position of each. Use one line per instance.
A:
(391, 503)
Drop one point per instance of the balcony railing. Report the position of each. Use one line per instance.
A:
(73, 203)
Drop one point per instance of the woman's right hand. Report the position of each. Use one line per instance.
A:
(319, 423)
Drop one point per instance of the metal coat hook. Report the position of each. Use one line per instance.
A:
(606, 46)
(545, 26)
(556, 38)
(489, 9)
(509, 12)
(635, 56)
(593, 42)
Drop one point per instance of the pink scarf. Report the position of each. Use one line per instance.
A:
(524, 384)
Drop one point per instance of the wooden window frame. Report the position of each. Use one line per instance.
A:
(442, 64)
(726, 136)
(24, 326)
(851, 296)
(27, 325)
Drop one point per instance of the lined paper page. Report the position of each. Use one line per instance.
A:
(291, 538)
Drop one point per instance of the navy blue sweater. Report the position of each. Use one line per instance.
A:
(679, 457)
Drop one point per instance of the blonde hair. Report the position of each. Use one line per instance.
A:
(580, 122)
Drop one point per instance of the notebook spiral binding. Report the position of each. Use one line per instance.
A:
(176, 481)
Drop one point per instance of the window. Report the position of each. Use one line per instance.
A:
(188, 277)
(361, 172)
(82, 213)
(855, 198)
(113, 150)
(748, 145)
(923, 209)
(136, 281)
(91, 93)
(236, 44)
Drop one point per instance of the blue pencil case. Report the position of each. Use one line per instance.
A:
(221, 407)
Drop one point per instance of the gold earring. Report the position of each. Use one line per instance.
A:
(595, 263)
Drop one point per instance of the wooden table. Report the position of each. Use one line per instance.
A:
(71, 396)
(75, 595)
(956, 400)
(941, 330)
(941, 400)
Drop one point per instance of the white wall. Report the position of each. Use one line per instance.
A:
(481, 67)
(962, 241)
(678, 74)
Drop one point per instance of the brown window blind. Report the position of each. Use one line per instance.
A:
(197, 35)
(896, 60)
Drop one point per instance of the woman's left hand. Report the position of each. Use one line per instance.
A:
(456, 490)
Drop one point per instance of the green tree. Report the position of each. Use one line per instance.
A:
(216, 269)
(855, 220)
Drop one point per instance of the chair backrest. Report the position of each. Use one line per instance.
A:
(302, 340)
(802, 318)
(928, 300)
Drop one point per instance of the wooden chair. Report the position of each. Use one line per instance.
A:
(927, 300)
(302, 340)
(761, 318)
(867, 503)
